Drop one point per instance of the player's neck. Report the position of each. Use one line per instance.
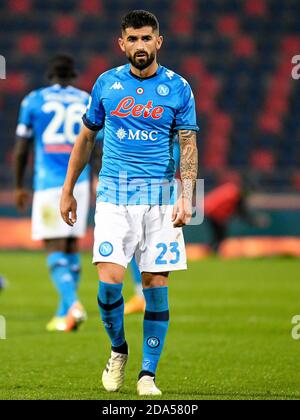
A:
(147, 72)
(62, 82)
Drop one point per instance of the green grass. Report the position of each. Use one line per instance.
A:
(229, 337)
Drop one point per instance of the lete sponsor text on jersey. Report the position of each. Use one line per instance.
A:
(127, 107)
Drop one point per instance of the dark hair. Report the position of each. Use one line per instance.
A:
(62, 66)
(136, 19)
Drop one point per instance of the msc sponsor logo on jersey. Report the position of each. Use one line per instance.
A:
(163, 90)
(127, 107)
(153, 342)
(143, 135)
(106, 249)
(117, 86)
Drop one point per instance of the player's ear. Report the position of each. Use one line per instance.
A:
(159, 41)
(121, 44)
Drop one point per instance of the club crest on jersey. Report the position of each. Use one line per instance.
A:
(127, 107)
(163, 90)
(140, 91)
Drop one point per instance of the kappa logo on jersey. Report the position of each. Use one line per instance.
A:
(170, 74)
(185, 83)
(118, 69)
(143, 135)
(127, 107)
(117, 86)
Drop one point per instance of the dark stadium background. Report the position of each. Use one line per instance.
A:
(237, 56)
(234, 330)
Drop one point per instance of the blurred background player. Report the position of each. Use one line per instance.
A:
(137, 302)
(50, 119)
(2, 283)
(227, 200)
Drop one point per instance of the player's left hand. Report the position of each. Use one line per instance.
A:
(22, 199)
(182, 212)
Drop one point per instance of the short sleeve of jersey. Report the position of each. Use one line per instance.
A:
(185, 118)
(26, 115)
(95, 114)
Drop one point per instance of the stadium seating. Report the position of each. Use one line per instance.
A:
(236, 54)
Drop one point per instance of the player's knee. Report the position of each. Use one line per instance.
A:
(111, 273)
(72, 246)
(55, 245)
(154, 279)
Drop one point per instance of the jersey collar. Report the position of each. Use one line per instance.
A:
(146, 78)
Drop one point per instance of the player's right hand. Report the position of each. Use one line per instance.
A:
(22, 198)
(68, 208)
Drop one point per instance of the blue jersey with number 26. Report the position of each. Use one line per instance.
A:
(52, 117)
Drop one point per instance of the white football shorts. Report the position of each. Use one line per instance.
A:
(143, 231)
(47, 222)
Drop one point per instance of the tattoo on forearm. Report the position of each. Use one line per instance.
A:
(188, 161)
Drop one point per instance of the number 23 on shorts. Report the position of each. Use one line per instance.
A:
(174, 249)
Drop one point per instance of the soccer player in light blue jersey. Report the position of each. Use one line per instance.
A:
(137, 302)
(141, 106)
(50, 119)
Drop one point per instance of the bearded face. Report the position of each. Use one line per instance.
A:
(140, 46)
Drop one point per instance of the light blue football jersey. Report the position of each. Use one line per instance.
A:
(176, 147)
(52, 117)
(140, 117)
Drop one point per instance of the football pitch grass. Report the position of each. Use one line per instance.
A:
(229, 337)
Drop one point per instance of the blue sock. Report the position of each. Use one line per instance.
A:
(62, 309)
(156, 322)
(75, 267)
(136, 276)
(75, 271)
(62, 278)
(111, 306)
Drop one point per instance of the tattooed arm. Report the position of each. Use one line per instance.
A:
(188, 162)
(182, 211)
